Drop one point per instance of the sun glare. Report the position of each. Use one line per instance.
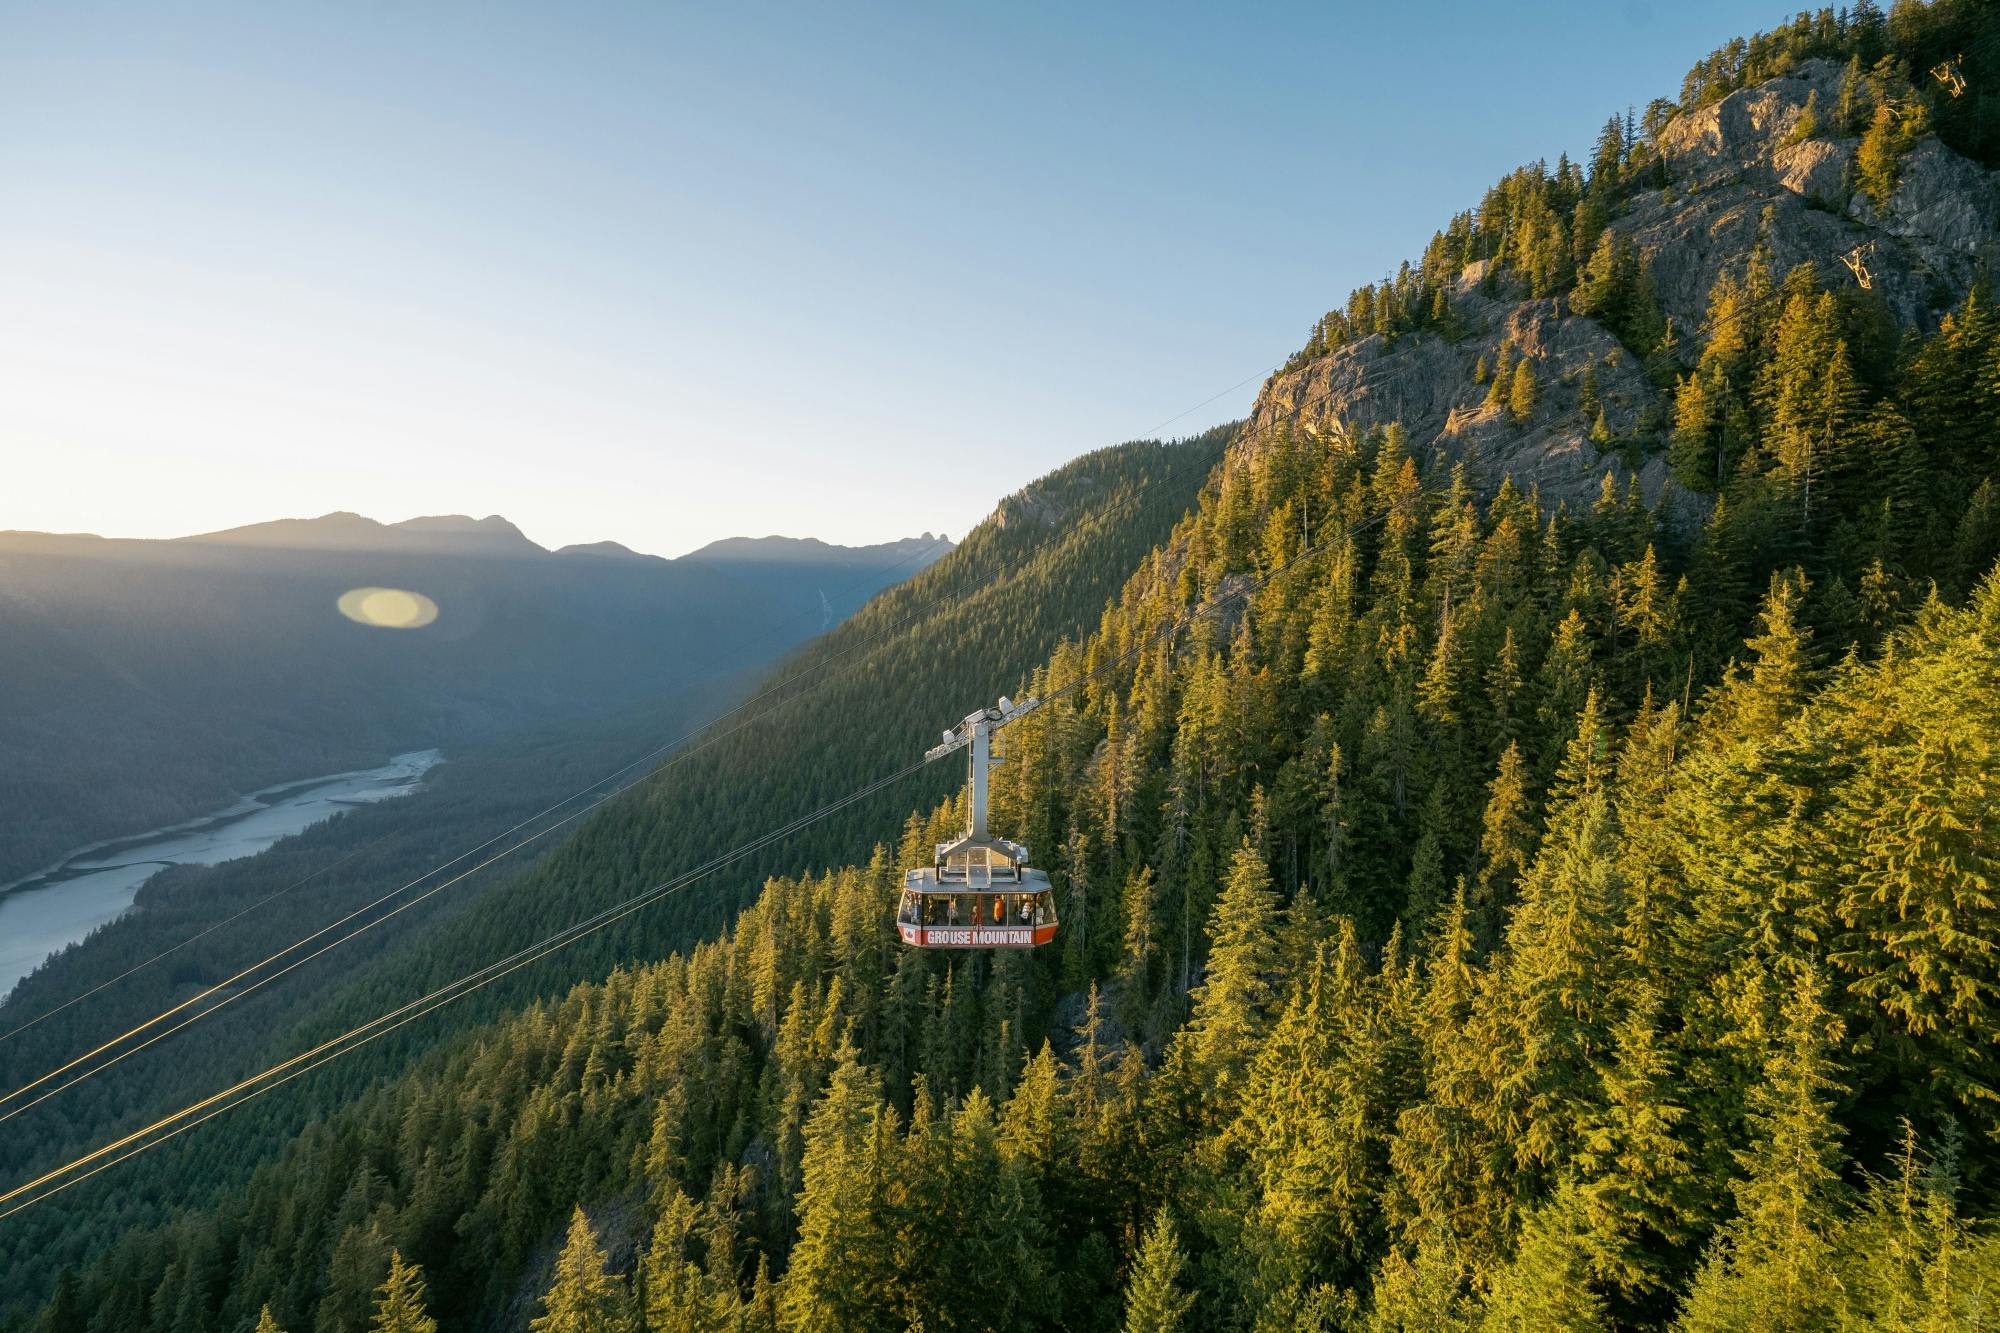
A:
(388, 608)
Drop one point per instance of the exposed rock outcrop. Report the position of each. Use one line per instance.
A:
(1727, 165)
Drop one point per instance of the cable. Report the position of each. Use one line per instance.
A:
(562, 938)
(262, 981)
(1246, 380)
(381, 838)
(451, 991)
(107, 1045)
(198, 935)
(866, 579)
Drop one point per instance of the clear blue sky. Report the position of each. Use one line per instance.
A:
(662, 273)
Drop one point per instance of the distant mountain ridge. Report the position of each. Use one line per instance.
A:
(150, 680)
(607, 549)
(345, 530)
(791, 548)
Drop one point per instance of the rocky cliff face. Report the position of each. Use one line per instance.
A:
(1726, 164)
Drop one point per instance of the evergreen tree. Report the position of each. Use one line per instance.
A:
(1922, 906)
(64, 1312)
(672, 1290)
(1547, 1286)
(836, 1270)
(583, 1297)
(1909, 1260)
(1563, 967)
(1521, 390)
(1423, 1293)
(1814, 399)
(1782, 672)
(1502, 382)
(1634, 1166)
(1506, 840)
(399, 1302)
(1774, 1266)
(1314, 1130)
(1154, 1300)
(1232, 1006)
(1808, 124)
(1878, 162)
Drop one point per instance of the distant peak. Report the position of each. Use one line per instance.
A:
(492, 527)
(345, 530)
(606, 550)
(777, 547)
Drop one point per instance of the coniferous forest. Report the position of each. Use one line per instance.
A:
(1481, 909)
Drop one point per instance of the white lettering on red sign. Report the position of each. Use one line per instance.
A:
(976, 936)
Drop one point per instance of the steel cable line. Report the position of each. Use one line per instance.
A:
(655, 752)
(260, 982)
(333, 1047)
(465, 985)
(1189, 411)
(377, 841)
(366, 908)
(793, 683)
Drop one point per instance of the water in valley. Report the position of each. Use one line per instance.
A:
(96, 884)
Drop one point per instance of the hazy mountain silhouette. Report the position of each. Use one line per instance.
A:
(148, 681)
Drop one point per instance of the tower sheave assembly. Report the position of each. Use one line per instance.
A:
(980, 892)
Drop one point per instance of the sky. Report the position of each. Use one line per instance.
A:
(662, 273)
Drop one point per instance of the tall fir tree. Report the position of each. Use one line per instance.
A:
(400, 1301)
(583, 1296)
(1233, 1005)
(1155, 1301)
(1774, 1265)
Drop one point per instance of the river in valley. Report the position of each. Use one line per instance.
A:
(96, 884)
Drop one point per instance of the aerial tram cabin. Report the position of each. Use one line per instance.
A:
(980, 893)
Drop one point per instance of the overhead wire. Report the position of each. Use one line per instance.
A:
(276, 1075)
(245, 972)
(377, 841)
(780, 686)
(257, 984)
(333, 1047)
(585, 790)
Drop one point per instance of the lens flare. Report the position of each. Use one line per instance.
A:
(388, 608)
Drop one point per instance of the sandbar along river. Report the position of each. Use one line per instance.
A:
(96, 884)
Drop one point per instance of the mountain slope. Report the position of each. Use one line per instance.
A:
(1479, 912)
(1041, 568)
